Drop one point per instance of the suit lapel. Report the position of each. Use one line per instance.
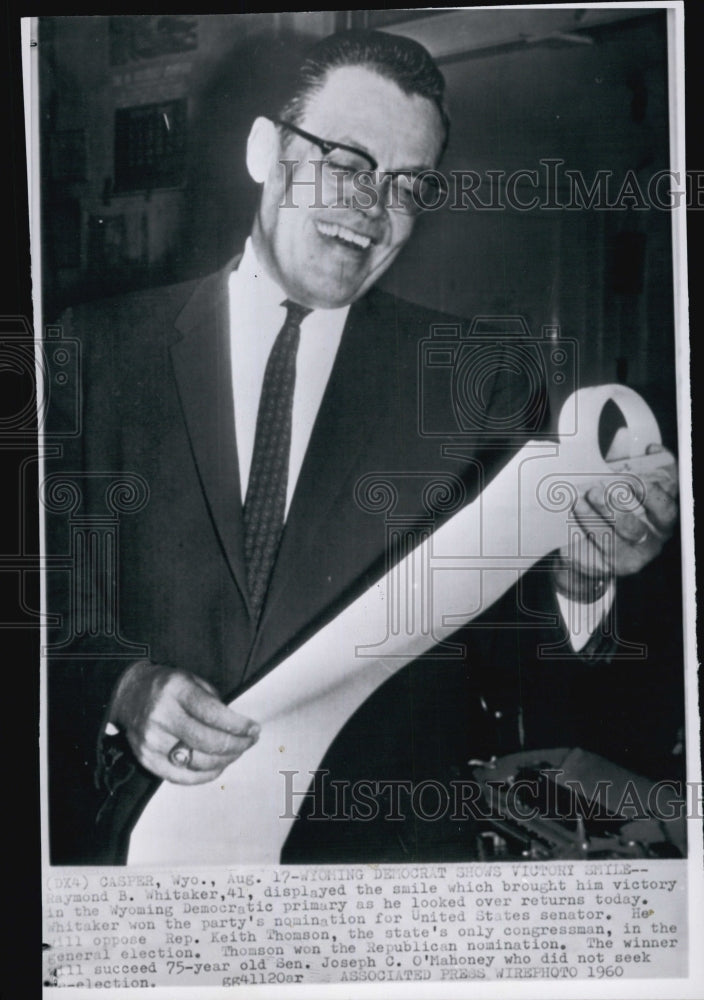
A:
(201, 362)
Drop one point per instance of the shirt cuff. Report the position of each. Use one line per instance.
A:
(582, 620)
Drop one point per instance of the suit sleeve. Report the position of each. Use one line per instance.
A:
(83, 656)
(520, 402)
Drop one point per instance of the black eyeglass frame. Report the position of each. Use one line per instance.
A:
(326, 146)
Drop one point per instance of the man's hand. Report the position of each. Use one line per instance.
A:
(618, 542)
(158, 707)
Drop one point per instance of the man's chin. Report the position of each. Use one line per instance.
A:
(326, 297)
(332, 293)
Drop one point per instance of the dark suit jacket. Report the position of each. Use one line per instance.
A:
(156, 409)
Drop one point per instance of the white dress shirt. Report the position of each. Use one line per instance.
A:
(256, 316)
(582, 620)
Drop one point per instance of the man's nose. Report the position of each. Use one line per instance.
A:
(373, 197)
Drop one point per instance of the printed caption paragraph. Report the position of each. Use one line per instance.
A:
(107, 928)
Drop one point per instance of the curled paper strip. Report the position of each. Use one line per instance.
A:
(457, 572)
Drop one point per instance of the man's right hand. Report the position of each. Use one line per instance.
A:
(157, 708)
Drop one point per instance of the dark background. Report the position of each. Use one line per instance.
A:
(586, 87)
(22, 888)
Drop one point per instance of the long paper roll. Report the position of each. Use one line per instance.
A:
(447, 580)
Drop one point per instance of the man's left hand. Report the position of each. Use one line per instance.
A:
(619, 542)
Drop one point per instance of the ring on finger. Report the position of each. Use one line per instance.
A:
(180, 755)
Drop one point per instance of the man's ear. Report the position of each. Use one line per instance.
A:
(262, 149)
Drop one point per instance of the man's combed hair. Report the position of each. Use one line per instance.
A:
(405, 62)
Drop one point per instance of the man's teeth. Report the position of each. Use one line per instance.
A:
(344, 234)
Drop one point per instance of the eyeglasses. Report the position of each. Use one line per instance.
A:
(350, 169)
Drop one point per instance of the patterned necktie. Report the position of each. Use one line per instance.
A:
(265, 504)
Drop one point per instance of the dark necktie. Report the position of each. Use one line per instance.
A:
(265, 504)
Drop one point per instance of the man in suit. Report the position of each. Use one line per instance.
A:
(180, 392)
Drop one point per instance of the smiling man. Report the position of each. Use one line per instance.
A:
(328, 256)
(252, 405)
